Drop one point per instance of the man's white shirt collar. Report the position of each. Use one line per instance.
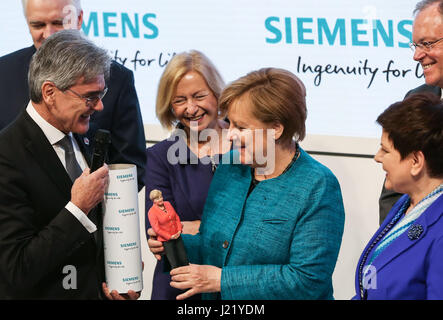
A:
(53, 134)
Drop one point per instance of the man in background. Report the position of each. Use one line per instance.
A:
(427, 44)
(121, 114)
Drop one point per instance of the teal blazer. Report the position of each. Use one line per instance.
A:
(281, 242)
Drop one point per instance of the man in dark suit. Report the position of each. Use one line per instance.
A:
(121, 115)
(428, 50)
(50, 243)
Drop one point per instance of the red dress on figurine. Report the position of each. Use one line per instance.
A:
(165, 224)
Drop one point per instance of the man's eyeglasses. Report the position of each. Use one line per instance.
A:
(424, 45)
(91, 101)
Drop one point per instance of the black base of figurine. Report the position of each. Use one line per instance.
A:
(175, 254)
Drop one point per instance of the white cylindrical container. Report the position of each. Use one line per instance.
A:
(121, 230)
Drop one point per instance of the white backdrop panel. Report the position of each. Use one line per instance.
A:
(351, 54)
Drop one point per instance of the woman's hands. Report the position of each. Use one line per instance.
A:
(175, 236)
(191, 227)
(156, 247)
(197, 279)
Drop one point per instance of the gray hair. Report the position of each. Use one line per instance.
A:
(75, 3)
(419, 7)
(64, 58)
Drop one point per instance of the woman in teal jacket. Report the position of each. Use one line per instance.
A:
(273, 219)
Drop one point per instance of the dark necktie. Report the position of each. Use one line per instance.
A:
(74, 171)
(72, 166)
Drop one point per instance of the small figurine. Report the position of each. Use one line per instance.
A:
(166, 224)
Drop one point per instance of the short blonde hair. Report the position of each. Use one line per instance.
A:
(177, 67)
(276, 96)
(155, 194)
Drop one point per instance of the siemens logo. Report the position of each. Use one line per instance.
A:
(124, 176)
(114, 25)
(126, 210)
(130, 279)
(111, 194)
(117, 263)
(112, 228)
(354, 32)
(128, 245)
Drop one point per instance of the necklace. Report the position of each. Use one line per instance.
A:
(212, 153)
(255, 182)
(294, 158)
(405, 220)
(213, 164)
(207, 151)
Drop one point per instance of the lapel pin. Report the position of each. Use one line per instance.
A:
(86, 141)
(415, 231)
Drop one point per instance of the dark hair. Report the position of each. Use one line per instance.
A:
(416, 124)
(426, 3)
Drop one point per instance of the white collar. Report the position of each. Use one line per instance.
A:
(53, 134)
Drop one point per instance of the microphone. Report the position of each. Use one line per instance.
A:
(102, 140)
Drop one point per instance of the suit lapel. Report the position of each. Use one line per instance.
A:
(42, 151)
(403, 242)
(397, 247)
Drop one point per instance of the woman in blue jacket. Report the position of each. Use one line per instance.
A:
(404, 259)
(273, 219)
